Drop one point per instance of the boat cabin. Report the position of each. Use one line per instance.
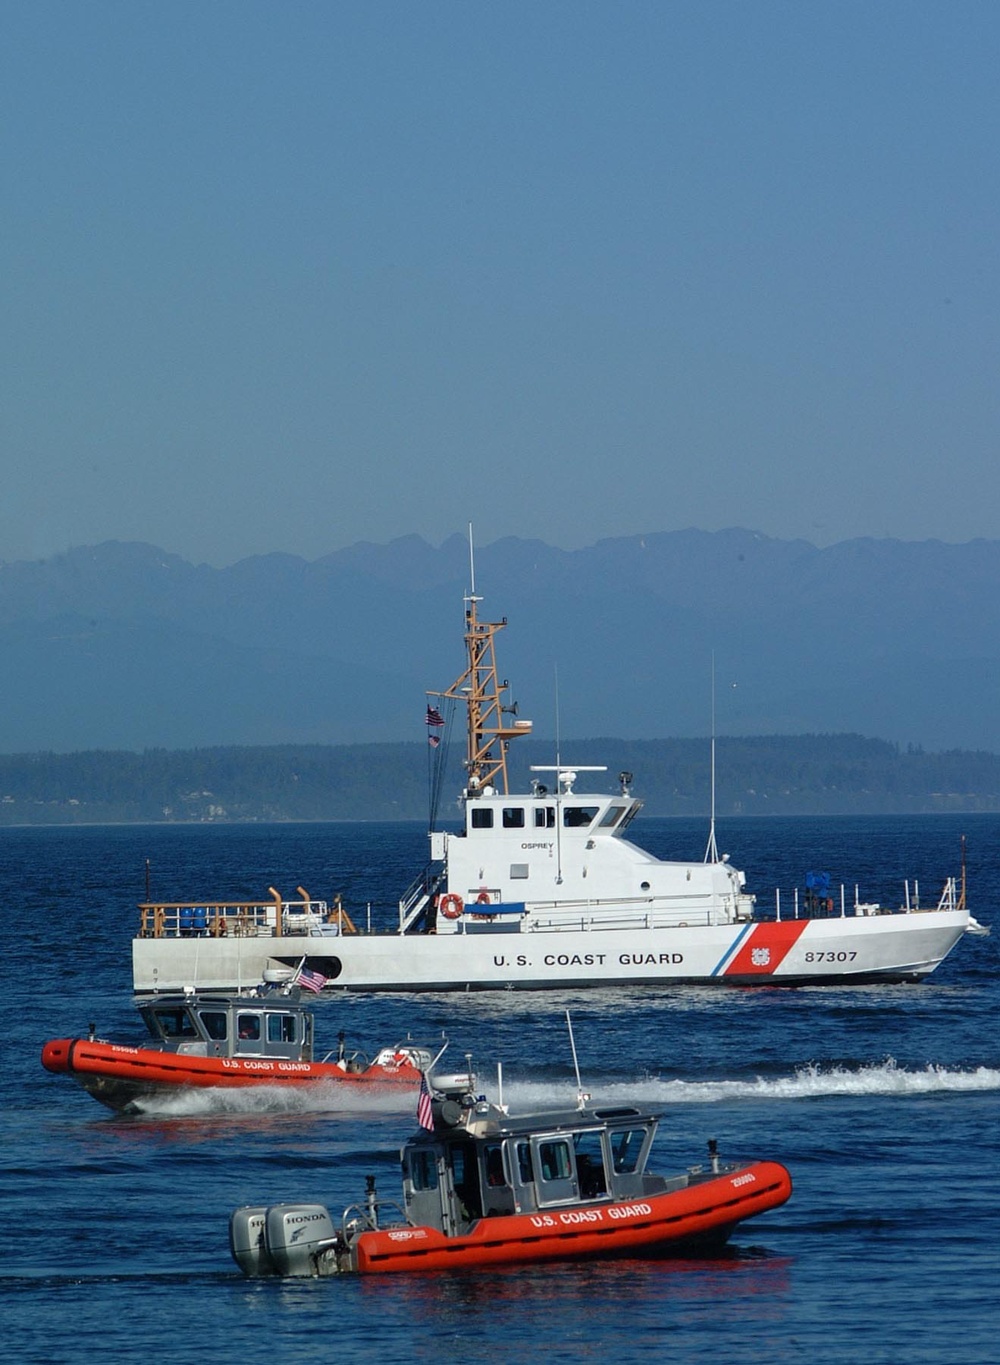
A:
(560, 859)
(485, 1163)
(230, 1026)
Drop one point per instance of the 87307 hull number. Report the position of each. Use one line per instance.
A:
(831, 956)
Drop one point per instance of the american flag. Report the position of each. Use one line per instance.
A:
(424, 1115)
(433, 740)
(434, 716)
(313, 981)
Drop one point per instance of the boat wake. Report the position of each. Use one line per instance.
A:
(317, 1098)
(808, 1082)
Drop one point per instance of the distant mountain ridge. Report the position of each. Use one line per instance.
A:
(123, 645)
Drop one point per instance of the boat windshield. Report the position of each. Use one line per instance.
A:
(578, 817)
(627, 1148)
(215, 1025)
(174, 1021)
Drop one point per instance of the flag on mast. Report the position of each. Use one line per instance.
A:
(425, 1116)
(313, 981)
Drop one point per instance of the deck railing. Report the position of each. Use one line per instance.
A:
(827, 907)
(277, 917)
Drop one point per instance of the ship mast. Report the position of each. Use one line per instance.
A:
(480, 689)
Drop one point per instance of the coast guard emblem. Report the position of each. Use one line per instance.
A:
(760, 957)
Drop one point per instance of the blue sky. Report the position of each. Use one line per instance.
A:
(289, 276)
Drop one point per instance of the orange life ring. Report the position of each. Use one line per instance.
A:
(484, 898)
(451, 906)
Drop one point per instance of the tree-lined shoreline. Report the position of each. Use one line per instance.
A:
(760, 775)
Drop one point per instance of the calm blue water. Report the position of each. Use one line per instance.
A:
(882, 1101)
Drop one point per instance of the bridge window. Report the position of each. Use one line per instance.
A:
(590, 1164)
(525, 1173)
(214, 1023)
(176, 1023)
(248, 1026)
(493, 1163)
(465, 1180)
(481, 818)
(626, 1147)
(545, 817)
(555, 1160)
(611, 816)
(578, 817)
(281, 1028)
(423, 1170)
(513, 817)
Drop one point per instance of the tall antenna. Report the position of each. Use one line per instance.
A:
(581, 1095)
(712, 852)
(472, 564)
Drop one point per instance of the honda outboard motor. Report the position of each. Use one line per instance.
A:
(295, 1234)
(284, 1239)
(246, 1240)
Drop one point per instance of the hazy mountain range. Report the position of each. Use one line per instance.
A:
(127, 646)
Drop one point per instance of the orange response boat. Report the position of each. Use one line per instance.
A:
(482, 1188)
(263, 1037)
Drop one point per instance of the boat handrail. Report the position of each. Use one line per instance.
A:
(829, 907)
(650, 902)
(416, 896)
(365, 1217)
(949, 896)
(607, 924)
(275, 917)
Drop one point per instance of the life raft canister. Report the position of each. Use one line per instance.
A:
(451, 906)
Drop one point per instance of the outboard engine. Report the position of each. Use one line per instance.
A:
(295, 1235)
(284, 1239)
(246, 1240)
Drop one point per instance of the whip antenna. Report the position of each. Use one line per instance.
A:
(581, 1094)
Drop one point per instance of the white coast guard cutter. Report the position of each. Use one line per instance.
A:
(544, 890)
